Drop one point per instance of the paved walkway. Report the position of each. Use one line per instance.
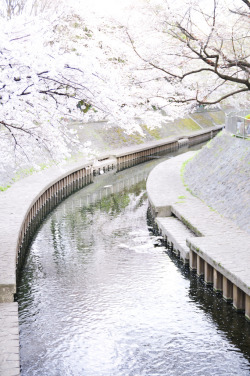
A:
(9, 340)
(220, 242)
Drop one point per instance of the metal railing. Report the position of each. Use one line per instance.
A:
(238, 123)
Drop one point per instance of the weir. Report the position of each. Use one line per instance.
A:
(26, 204)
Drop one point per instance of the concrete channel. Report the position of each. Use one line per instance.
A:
(26, 204)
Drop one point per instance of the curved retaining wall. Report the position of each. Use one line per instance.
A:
(23, 207)
(28, 201)
(213, 246)
(165, 145)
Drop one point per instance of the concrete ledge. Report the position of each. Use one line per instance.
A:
(201, 219)
(227, 255)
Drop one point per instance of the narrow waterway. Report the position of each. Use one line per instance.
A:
(100, 296)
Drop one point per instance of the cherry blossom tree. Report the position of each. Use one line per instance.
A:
(61, 62)
(54, 69)
(202, 50)
(12, 7)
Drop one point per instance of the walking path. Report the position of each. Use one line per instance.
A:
(216, 240)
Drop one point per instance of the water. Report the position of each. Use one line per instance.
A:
(100, 296)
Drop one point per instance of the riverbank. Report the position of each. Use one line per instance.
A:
(217, 248)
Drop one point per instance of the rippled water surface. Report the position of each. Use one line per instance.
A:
(100, 296)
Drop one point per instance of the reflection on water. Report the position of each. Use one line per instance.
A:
(100, 296)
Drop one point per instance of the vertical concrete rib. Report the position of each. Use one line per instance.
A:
(247, 307)
(227, 290)
(208, 274)
(193, 260)
(218, 281)
(238, 299)
(200, 266)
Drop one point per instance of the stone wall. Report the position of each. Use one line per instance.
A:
(219, 175)
(105, 137)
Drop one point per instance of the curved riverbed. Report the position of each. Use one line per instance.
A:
(100, 296)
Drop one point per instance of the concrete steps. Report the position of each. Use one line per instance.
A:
(176, 234)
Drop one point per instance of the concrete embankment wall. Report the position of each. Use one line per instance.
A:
(220, 176)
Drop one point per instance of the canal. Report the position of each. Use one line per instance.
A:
(100, 295)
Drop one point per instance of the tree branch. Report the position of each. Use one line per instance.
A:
(246, 2)
(222, 98)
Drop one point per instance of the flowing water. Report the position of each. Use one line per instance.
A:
(99, 295)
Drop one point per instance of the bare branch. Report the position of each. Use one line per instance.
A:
(222, 98)
(25, 36)
(246, 2)
(149, 62)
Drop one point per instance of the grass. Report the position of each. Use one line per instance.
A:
(4, 188)
(154, 132)
(24, 173)
(218, 117)
(183, 170)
